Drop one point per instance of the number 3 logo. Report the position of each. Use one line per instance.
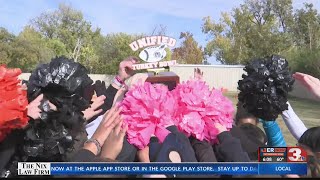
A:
(295, 154)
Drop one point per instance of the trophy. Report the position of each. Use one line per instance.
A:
(153, 53)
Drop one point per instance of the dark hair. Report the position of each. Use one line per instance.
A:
(242, 113)
(254, 133)
(311, 138)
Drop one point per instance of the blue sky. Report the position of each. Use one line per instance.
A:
(130, 16)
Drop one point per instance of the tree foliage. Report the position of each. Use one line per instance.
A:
(25, 50)
(6, 40)
(251, 30)
(254, 29)
(307, 27)
(305, 60)
(189, 52)
(265, 27)
(65, 32)
(68, 26)
(112, 49)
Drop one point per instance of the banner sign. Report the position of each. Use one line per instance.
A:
(154, 65)
(153, 47)
(55, 168)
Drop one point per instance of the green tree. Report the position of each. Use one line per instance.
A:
(6, 40)
(283, 11)
(29, 49)
(305, 60)
(304, 57)
(112, 49)
(255, 29)
(189, 52)
(68, 26)
(56, 46)
(307, 27)
(228, 40)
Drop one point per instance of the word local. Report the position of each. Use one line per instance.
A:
(151, 41)
(154, 65)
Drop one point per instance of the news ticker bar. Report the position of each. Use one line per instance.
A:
(39, 168)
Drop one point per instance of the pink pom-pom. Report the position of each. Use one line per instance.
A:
(199, 108)
(147, 110)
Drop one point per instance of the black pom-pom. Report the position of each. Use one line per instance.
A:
(264, 90)
(60, 74)
(63, 83)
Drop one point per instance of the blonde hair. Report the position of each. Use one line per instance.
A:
(130, 82)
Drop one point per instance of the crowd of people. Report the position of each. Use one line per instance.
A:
(73, 119)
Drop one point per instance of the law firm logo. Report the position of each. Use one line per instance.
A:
(296, 154)
(33, 168)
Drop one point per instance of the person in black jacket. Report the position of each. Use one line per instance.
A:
(105, 100)
(125, 71)
(229, 148)
(233, 146)
(247, 131)
(203, 150)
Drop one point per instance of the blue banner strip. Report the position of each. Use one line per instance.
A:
(178, 168)
(283, 168)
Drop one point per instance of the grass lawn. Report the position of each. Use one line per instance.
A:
(307, 110)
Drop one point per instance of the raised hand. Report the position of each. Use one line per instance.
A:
(93, 109)
(312, 83)
(114, 143)
(125, 68)
(33, 108)
(100, 88)
(110, 120)
(198, 74)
